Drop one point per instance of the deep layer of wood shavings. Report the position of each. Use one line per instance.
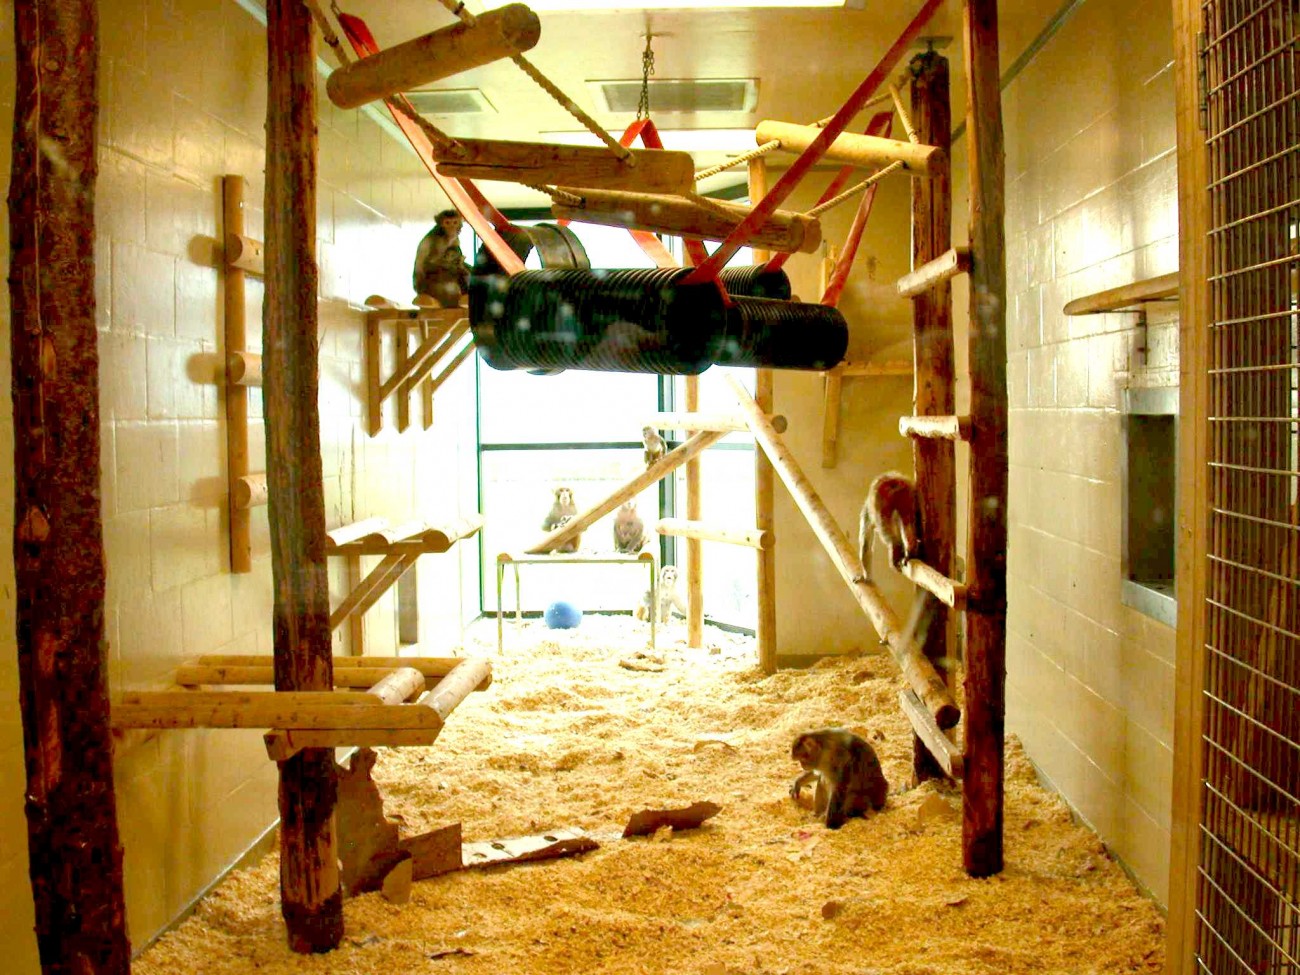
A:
(567, 737)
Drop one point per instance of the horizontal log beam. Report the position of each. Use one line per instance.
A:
(751, 537)
(916, 668)
(661, 468)
(250, 491)
(717, 422)
(867, 151)
(411, 537)
(950, 592)
(244, 368)
(1163, 288)
(266, 709)
(283, 744)
(595, 167)
(496, 34)
(691, 218)
(429, 666)
(398, 685)
(935, 427)
(468, 676)
(949, 264)
(896, 368)
(245, 254)
(196, 675)
(945, 752)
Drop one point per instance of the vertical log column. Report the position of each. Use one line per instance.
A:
(241, 548)
(73, 845)
(986, 612)
(934, 459)
(694, 547)
(311, 899)
(764, 477)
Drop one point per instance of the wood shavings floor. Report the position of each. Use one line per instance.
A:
(566, 737)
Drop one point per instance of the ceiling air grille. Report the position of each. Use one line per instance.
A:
(679, 95)
(450, 101)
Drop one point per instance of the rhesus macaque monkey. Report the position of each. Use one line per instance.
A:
(563, 510)
(655, 447)
(440, 268)
(845, 770)
(629, 530)
(669, 597)
(891, 511)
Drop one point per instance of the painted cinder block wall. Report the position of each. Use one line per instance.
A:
(182, 87)
(1091, 205)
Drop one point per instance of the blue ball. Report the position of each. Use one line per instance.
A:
(562, 616)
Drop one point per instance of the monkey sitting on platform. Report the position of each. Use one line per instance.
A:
(845, 771)
(440, 269)
(891, 511)
(629, 530)
(563, 510)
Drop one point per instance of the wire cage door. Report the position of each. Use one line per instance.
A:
(1248, 879)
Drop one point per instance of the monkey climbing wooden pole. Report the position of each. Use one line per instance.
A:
(934, 461)
(816, 149)
(310, 892)
(916, 668)
(72, 837)
(985, 665)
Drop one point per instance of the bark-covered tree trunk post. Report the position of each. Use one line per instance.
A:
(311, 899)
(73, 846)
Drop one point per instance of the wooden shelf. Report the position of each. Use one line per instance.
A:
(1129, 297)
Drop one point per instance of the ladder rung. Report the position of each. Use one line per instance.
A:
(950, 592)
(954, 261)
(935, 427)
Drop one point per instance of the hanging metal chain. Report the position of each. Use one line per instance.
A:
(647, 69)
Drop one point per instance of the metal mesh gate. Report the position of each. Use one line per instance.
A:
(1248, 893)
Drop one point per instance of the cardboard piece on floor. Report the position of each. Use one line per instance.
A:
(434, 853)
(397, 882)
(521, 849)
(647, 821)
(368, 843)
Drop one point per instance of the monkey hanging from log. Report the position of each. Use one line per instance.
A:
(440, 269)
(892, 512)
(845, 772)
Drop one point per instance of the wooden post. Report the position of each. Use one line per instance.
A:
(986, 612)
(241, 544)
(310, 893)
(72, 838)
(694, 548)
(764, 477)
(932, 354)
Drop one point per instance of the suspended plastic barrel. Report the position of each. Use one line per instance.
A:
(644, 321)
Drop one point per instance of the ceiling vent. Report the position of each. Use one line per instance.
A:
(450, 101)
(685, 95)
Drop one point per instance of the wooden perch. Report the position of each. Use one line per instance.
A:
(1163, 288)
(918, 670)
(948, 591)
(954, 261)
(428, 666)
(236, 335)
(651, 170)
(445, 332)
(250, 491)
(374, 537)
(688, 217)
(468, 675)
(244, 368)
(947, 754)
(719, 422)
(868, 151)
(664, 466)
(935, 427)
(497, 34)
(198, 675)
(752, 537)
(339, 710)
(244, 253)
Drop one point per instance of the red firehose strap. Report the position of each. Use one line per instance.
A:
(710, 269)
(486, 219)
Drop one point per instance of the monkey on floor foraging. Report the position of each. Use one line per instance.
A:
(440, 269)
(845, 771)
(629, 530)
(655, 447)
(892, 512)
